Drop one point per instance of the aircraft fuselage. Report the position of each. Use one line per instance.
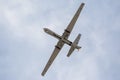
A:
(50, 32)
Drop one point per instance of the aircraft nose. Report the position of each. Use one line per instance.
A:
(44, 29)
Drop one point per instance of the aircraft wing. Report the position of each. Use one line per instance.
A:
(53, 56)
(72, 23)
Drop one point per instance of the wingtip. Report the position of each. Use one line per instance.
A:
(79, 35)
(68, 55)
(83, 3)
(42, 74)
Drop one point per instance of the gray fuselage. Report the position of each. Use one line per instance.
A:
(50, 32)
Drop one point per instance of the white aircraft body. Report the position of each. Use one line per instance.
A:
(64, 39)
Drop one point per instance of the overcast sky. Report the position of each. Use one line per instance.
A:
(25, 48)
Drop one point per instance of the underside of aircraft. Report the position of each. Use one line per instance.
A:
(64, 40)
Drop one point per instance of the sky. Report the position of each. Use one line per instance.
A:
(25, 48)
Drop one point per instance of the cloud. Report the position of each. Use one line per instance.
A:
(25, 48)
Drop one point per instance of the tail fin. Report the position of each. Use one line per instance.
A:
(74, 45)
(70, 51)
